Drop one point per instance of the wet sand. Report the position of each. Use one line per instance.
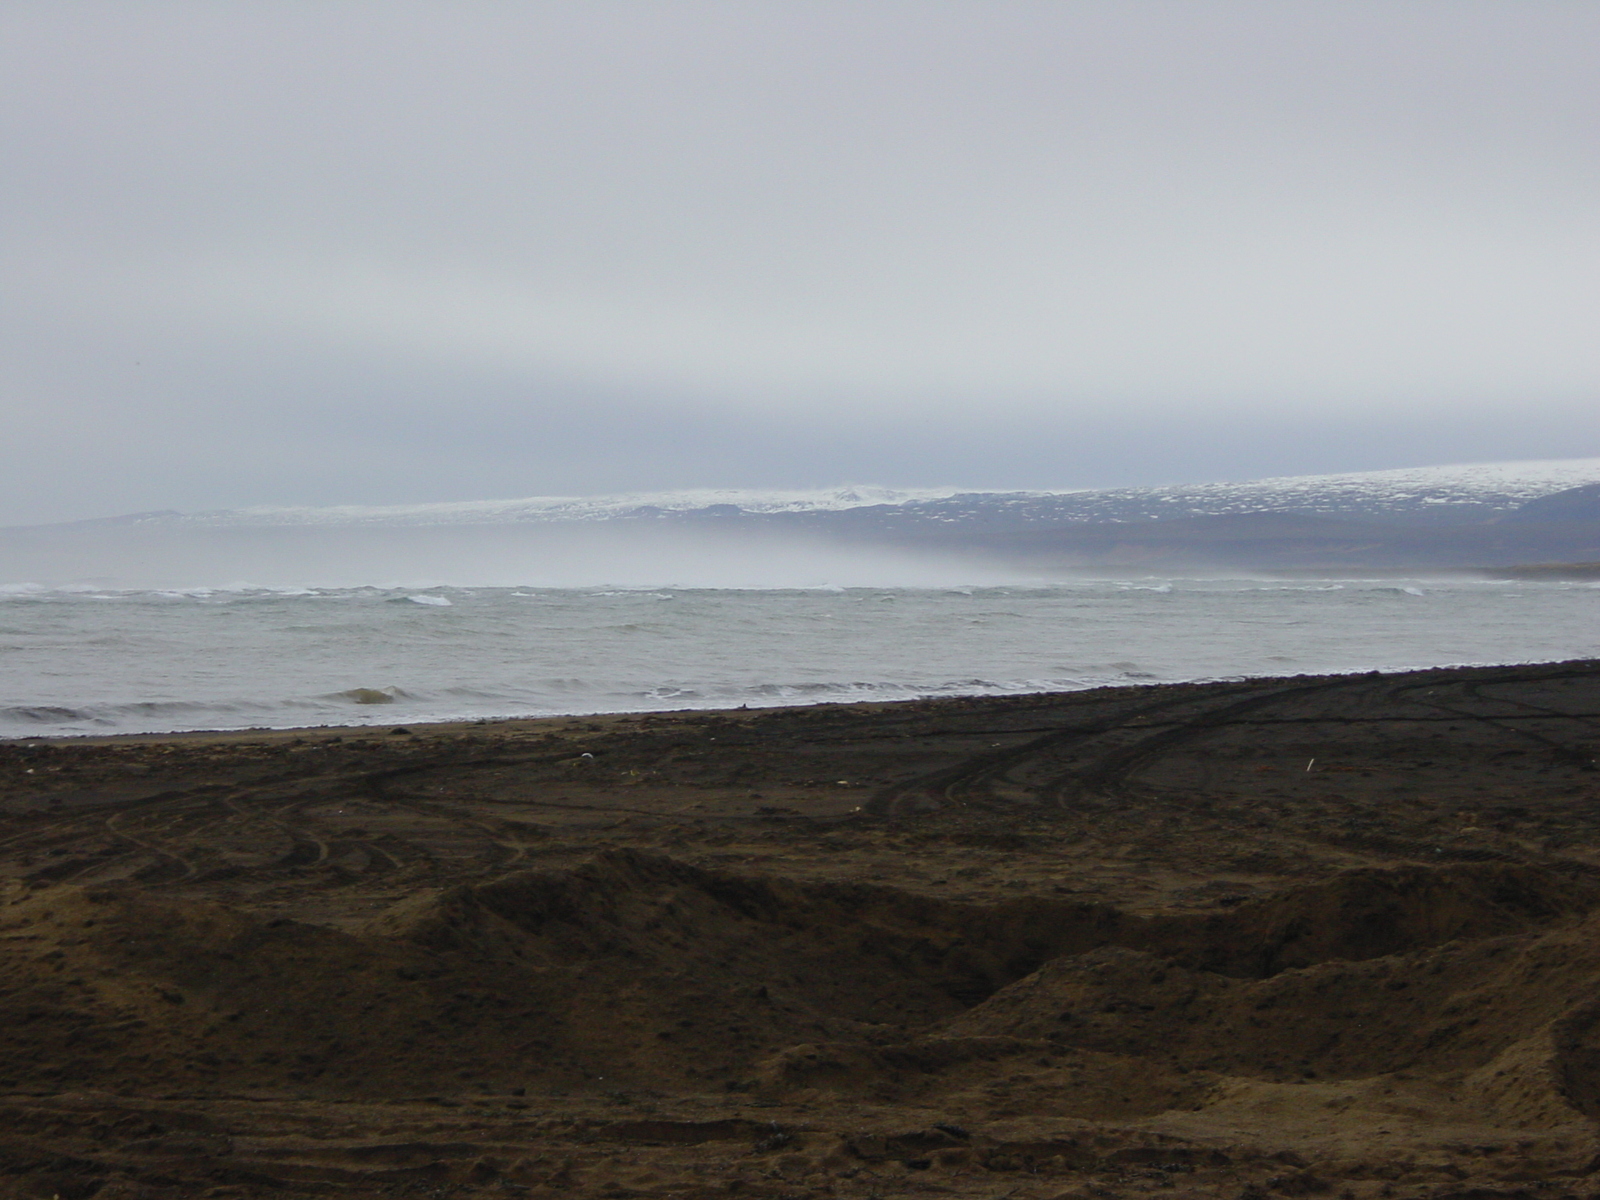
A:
(1300, 936)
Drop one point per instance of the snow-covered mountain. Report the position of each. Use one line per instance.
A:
(1461, 493)
(1475, 517)
(1445, 494)
(541, 509)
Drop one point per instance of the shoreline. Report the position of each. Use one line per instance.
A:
(561, 720)
(517, 724)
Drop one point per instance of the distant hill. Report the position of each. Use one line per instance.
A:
(1446, 495)
(1481, 515)
(1574, 504)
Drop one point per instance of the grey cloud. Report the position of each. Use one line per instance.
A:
(309, 253)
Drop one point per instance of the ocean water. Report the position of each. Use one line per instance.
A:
(84, 661)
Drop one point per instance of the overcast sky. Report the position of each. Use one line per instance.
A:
(307, 253)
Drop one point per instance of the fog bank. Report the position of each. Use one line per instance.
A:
(589, 555)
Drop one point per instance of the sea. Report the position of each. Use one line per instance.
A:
(88, 661)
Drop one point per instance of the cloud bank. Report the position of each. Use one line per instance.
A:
(385, 253)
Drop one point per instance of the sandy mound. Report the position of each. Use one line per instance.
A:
(639, 970)
(1094, 944)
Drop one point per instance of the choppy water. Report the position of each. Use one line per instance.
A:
(79, 661)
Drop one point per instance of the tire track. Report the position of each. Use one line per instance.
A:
(1580, 757)
(307, 849)
(1107, 777)
(959, 784)
(186, 868)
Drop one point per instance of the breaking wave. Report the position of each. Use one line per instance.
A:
(85, 660)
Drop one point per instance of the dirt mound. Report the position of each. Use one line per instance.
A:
(1372, 913)
(638, 971)
(857, 953)
(633, 969)
(641, 970)
(1508, 1028)
(1514, 1013)
(122, 989)
(1093, 944)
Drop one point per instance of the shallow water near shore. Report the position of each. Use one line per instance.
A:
(82, 661)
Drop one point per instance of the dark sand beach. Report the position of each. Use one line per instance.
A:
(1306, 936)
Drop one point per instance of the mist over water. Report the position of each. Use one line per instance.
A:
(101, 660)
(564, 555)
